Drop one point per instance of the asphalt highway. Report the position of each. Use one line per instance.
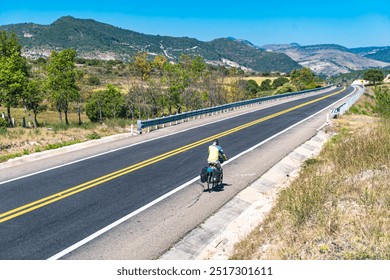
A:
(44, 214)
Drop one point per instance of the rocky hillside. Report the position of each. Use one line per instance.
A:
(331, 59)
(94, 39)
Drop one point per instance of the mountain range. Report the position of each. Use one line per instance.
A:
(93, 39)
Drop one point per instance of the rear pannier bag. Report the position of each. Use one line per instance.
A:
(203, 174)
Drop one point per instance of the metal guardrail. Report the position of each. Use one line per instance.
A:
(335, 112)
(141, 124)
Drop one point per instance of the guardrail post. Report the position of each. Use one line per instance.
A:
(139, 126)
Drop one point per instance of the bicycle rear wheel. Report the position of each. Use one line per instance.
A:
(210, 182)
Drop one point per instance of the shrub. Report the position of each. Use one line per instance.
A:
(93, 136)
(382, 99)
(93, 81)
(287, 87)
(104, 104)
(60, 145)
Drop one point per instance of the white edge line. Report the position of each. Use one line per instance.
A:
(150, 204)
(121, 220)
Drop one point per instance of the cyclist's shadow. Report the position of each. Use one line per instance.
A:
(218, 188)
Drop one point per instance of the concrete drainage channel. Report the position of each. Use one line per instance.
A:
(246, 210)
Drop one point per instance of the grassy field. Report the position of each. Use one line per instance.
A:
(258, 80)
(339, 206)
(19, 141)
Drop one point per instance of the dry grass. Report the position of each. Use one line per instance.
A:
(18, 141)
(258, 80)
(339, 207)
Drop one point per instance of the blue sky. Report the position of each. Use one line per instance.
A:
(356, 23)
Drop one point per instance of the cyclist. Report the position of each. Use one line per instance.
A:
(216, 154)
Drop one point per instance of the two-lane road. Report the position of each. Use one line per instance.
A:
(43, 214)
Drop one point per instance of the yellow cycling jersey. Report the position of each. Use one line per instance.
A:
(213, 153)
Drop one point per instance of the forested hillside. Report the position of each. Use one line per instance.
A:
(92, 39)
(382, 55)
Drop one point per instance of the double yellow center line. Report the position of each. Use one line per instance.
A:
(111, 176)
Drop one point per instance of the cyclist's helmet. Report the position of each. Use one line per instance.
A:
(216, 142)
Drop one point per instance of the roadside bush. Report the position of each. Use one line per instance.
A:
(93, 136)
(93, 81)
(279, 82)
(287, 87)
(104, 104)
(382, 99)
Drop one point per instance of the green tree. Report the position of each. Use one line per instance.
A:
(215, 88)
(185, 61)
(115, 102)
(251, 89)
(131, 101)
(374, 75)
(287, 87)
(141, 66)
(198, 66)
(279, 82)
(303, 79)
(266, 85)
(237, 90)
(95, 106)
(105, 104)
(62, 80)
(158, 64)
(196, 82)
(13, 71)
(32, 99)
(176, 82)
